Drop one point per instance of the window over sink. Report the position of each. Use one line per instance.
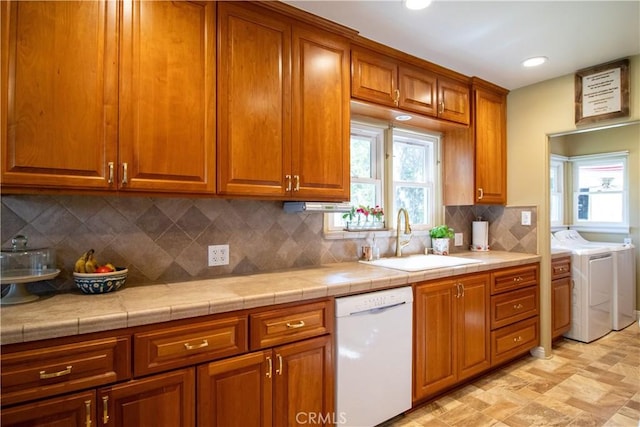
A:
(393, 168)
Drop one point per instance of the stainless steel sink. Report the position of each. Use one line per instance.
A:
(422, 262)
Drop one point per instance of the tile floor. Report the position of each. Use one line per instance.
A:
(595, 384)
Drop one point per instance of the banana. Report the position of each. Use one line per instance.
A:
(91, 264)
(86, 263)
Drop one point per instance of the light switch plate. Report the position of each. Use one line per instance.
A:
(457, 239)
(525, 218)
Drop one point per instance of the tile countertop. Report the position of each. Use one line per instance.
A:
(75, 313)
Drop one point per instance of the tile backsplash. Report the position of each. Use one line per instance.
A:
(166, 239)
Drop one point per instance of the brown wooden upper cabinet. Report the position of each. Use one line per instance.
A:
(283, 107)
(386, 81)
(490, 131)
(475, 159)
(108, 95)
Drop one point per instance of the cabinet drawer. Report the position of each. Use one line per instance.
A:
(514, 278)
(514, 340)
(284, 325)
(560, 267)
(179, 346)
(511, 307)
(34, 374)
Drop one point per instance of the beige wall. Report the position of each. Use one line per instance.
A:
(533, 114)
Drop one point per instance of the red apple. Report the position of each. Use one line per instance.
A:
(104, 269)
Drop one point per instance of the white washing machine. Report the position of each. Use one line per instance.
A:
(592, 275)
(623, 312)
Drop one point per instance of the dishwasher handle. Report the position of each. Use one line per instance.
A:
(377, 309)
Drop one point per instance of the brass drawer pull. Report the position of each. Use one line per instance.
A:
(105, 409)
(270, 370)
(204, 343)
(296, 325)
(125, 174)
(517, 339)
(518, 279)
(87, 417)
(297, 179)
(517, 306)
(44, 375)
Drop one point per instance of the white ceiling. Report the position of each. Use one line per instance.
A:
(490, 39)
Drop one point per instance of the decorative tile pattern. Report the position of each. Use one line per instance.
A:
(595, 384)
(165, 240)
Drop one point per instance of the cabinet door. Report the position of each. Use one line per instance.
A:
(560, 306)
(254, 101)
(453, 99)
(490, 149)
(321, 141)
(304, 386)
(472, 326)
(418, 91)
(435, 355)
(59, 93)
(167, 96)
(75, 410)
(236, 392)
(165, 400)
(374, 78)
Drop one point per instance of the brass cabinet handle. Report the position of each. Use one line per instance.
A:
(288, 178)
(518, 279)
(462, 288)
(480, 193)
(203, 344)
(125, 175)
(87, 417)
(298, 324)
(44, 375)
(105, 409)
(111, 166)
(297, 179)
(440, 107)
(279, 370)
(517, 306)
(396, 97)
(270, 370)
(517, 339)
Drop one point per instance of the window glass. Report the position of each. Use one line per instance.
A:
(600, 190)
(413, 176)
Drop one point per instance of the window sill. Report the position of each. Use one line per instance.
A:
(365, 234)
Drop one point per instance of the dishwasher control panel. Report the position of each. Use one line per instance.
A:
(373, 300)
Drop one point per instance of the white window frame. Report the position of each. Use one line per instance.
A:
(593, 226)
(557, 193)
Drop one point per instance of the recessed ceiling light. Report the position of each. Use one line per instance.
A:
(403, 117)
(535, 61)
(416, 4)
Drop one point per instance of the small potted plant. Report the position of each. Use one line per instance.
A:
(440, 236)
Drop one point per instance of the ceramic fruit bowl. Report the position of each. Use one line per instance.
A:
(101, 283)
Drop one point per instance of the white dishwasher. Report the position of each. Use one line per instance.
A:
(373, 370)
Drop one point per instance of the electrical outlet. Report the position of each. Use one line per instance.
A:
(525, 218)
(218, 255)
(457, 239)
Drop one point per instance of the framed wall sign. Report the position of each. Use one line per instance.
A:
(602, 92)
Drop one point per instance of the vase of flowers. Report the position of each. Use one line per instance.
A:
(364, 218)
(440, 236)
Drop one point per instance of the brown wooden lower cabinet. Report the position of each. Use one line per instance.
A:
(451, 339)
(163, 400)
(561, 288)
(283, 386)
(75, 410)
